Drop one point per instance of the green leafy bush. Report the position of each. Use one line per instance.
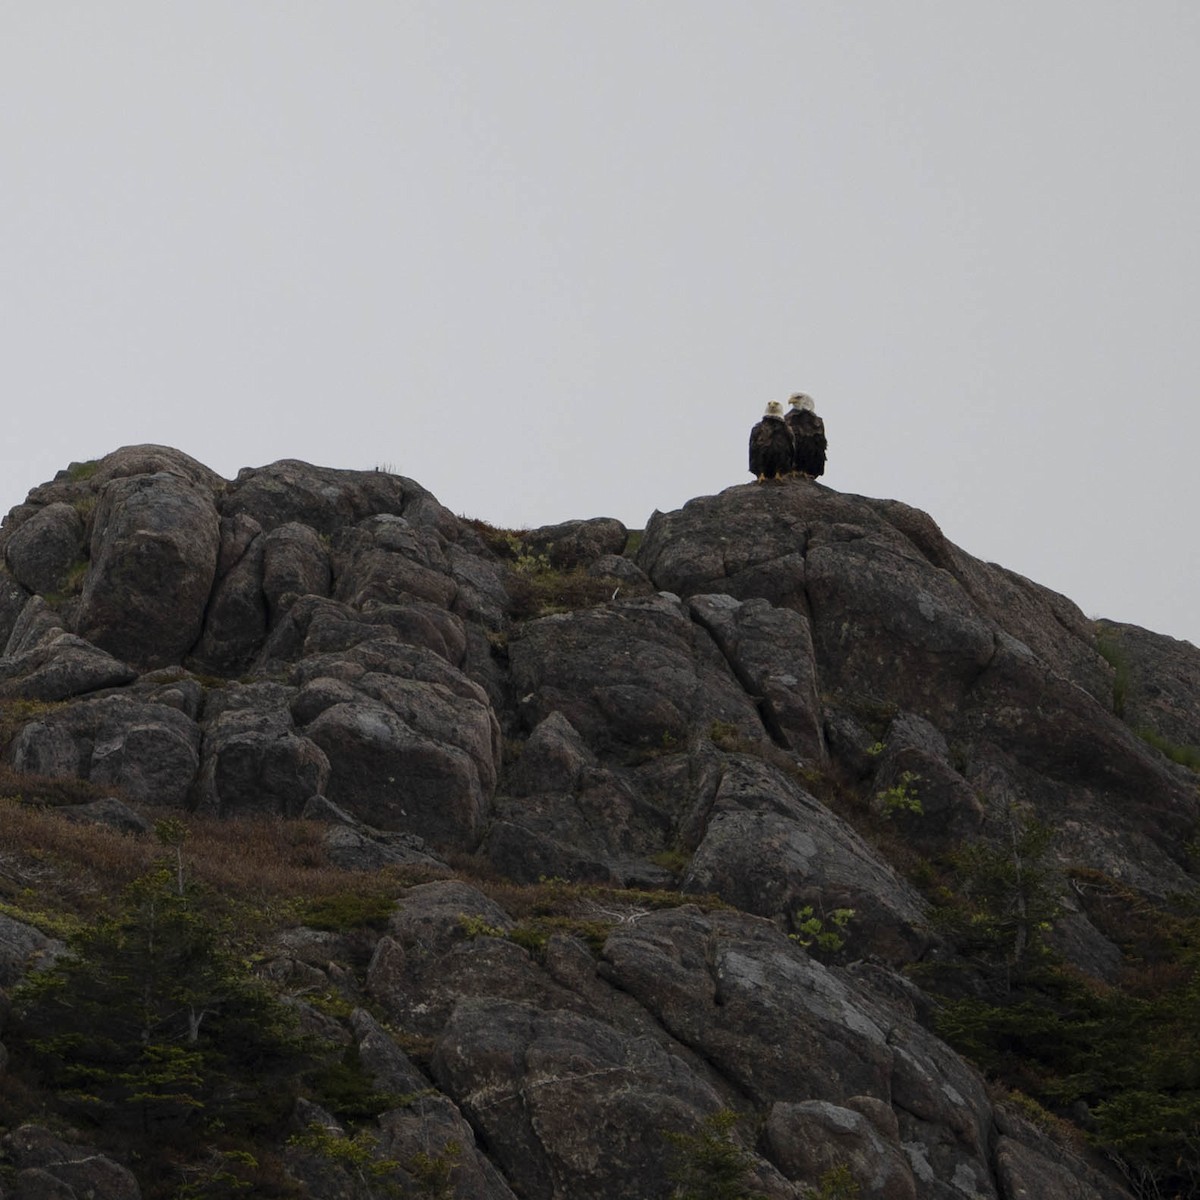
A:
(825, 934)
(901, 797)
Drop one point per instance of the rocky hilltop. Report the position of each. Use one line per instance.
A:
(702, 847)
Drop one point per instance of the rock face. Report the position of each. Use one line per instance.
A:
(1159, 687)
(631, 675)
(789, 701)
(905, 625)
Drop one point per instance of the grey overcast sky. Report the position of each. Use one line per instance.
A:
(551, 259)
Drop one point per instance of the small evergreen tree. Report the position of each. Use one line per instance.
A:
(151, 1022)
(1008, 900)
(709, 1164)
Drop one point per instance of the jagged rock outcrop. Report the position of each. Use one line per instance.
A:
(789, 700)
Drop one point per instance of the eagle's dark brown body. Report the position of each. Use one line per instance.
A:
(771, 449)
(808, 435)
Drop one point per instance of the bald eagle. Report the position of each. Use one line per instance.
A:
(771, 448)
(808, 433)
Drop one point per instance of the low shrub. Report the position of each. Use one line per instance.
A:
(343, 911)
(824, 934)
(1111, 649)
(1184, 755)
(545, 590)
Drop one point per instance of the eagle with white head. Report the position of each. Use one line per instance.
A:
(771, 449)
(808, 437)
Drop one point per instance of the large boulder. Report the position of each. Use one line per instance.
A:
(914, 787)
(569, 817)
(43, 552)
(886, 622)
(897, 612)
(576, 543)
(435, 952)
(481, 587)
(13, 598)
(1029, 740)
(809, 1138)
(316, 626)
(148, 459)
(147, 752)
(295, 563)
(235, 622)
(43, 662)
(786, 1030)
(35, 626)
(154, 549)
(254, 761)
(749, 541)
(387, 559)
(412, 743)
(775, 1022)
(1051, 625)
(426, 1127)
(1028, 1163)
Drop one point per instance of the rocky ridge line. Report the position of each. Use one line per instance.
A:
(337, 645)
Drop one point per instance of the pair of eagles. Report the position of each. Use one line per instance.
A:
(791, 445)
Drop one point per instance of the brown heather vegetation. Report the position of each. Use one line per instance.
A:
(48, 790)
(51, 864)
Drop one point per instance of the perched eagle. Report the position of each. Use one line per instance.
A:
(808, 433)
(771, 449)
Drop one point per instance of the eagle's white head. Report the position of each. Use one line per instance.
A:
(774, 409)
(801, 401)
